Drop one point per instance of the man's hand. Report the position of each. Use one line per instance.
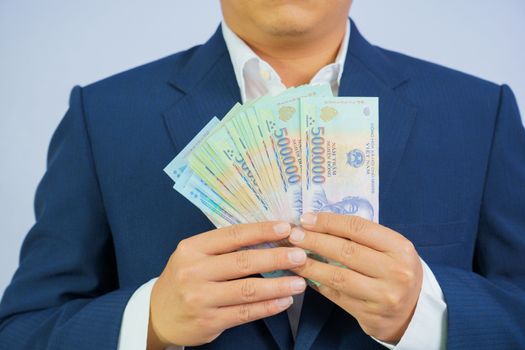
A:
(203, 290)
(382, 285)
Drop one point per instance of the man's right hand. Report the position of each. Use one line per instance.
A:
(204, 288)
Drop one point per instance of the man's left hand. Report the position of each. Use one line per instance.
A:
(381, 286)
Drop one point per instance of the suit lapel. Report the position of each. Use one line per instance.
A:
(210, 89)
(366, 73)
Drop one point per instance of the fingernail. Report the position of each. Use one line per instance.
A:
(282, 228)
(308, 219)
(297, 235)
(297, 256)
(284, 302)
(298, 284)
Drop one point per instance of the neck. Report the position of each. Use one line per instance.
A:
(297, 60)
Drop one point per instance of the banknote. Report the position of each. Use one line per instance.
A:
(218, 211)
(220, 164)
(175, 168)
(341, 155)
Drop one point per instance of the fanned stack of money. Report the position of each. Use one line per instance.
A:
(277, 157)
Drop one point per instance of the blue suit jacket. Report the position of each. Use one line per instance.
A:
(452, 180)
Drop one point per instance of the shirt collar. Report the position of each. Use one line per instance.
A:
(242, 56)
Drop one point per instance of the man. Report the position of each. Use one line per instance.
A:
(444, 268)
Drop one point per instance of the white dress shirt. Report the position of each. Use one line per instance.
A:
(255, 77)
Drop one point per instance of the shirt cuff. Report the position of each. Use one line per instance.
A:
(134, 326)
(428, 327)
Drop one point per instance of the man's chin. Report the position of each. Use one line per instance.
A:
(288, 32)
(287, 28)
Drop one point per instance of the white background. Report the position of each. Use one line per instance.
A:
(47, 47)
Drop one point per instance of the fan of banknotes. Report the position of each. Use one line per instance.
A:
(277, 157)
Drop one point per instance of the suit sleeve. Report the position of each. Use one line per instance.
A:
(486, 306)
(65, 293)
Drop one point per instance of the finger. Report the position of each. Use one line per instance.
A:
(357, 257)
(353, 227)
(353, 306)
(251, 261)
(232, 316)
(345, 281)
(250, 290)
(232, 238)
